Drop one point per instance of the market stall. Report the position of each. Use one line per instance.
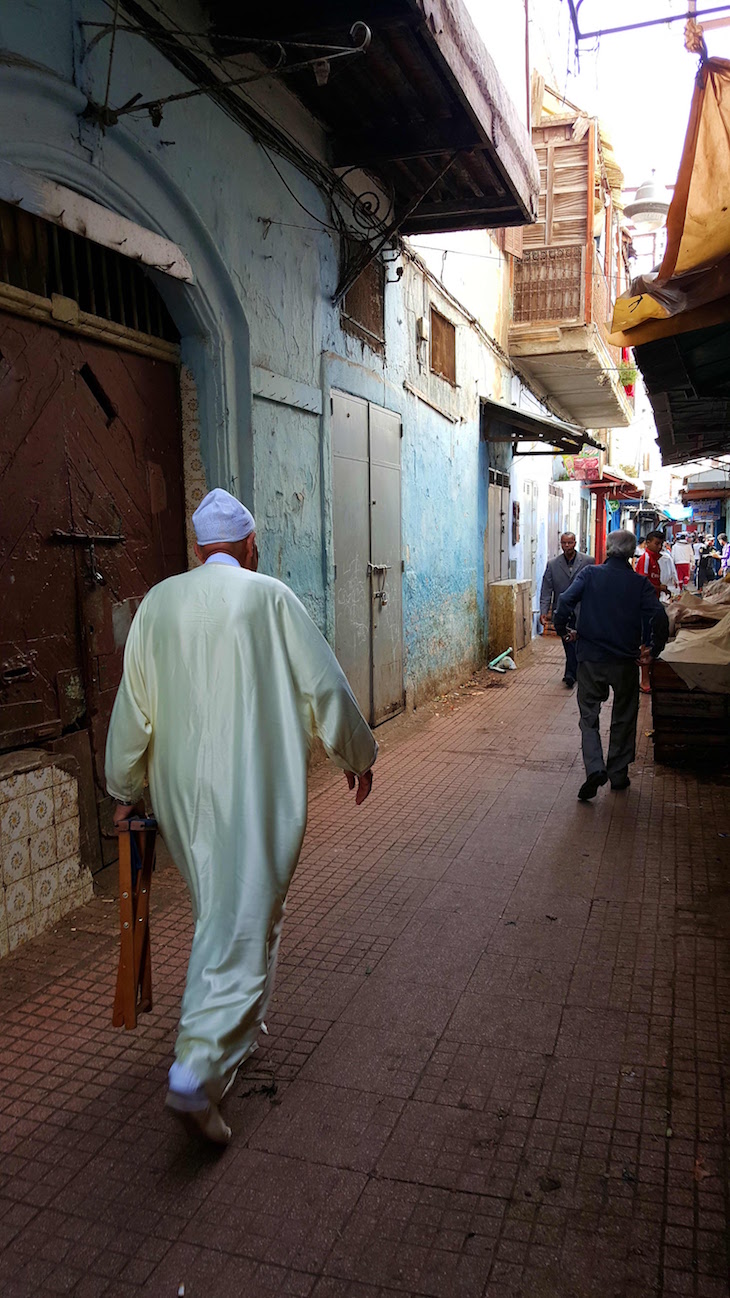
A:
(691, 680)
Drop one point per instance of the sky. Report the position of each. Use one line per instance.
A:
(638, 83)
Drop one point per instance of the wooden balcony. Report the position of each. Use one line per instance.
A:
(562, 301)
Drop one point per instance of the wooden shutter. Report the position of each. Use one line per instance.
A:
(513, 240)
(509, 239)
(443, 346)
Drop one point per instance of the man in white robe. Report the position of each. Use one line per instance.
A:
(226, 682)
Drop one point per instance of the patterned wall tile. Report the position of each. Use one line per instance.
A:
(45, 888)
(67, 838)
(19, 900)
(70, 873)
(13, 786)
(42, 849)
(15, 860)
(40, 778)
(193, 469)
(40, 810)
(14, 819)
(21, 932)
(66, 800)
(39, 827)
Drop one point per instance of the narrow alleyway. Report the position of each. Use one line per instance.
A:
(497, 1054)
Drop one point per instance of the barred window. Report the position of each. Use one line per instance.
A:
(363, 308)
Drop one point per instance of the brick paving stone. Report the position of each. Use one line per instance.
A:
(330, 1124)
(498, 1050)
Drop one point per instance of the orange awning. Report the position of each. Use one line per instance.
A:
(694, 277)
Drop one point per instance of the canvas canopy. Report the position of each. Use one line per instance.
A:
(693, 281)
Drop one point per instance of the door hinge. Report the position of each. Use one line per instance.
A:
(335, 572)
(402, 565)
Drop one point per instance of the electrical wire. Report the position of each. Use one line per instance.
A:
(290, 191)
(258, 122)
(322, 177)
(111, 55)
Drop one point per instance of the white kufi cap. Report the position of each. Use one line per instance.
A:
(220, 517)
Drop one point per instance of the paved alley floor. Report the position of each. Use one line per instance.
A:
(497, 1061)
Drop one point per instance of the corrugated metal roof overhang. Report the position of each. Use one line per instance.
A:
(687, 378)
(616, 488)
(529, 427)
(706, 493)
(426, 90)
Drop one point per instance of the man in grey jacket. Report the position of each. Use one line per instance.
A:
(559, 573)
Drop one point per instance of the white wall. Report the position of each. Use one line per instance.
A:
(472, 267)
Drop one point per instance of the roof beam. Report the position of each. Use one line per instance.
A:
(409, 140)
(466, 207)
(292, 20)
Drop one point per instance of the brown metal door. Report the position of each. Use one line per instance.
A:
(89, 448)
(124, 461)
(39, 661)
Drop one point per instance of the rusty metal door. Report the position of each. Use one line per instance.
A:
(40, 681)
(92, 484)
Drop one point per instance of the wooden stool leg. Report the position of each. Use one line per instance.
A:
(148, 866)
(125, 1002)
(142, 961)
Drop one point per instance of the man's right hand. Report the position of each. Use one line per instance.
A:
(124, 812)
(545, 618)
(364, 785)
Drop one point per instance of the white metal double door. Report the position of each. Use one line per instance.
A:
(367, 548)
(530, 537)
(497, 540)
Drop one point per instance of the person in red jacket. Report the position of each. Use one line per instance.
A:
(647, 565)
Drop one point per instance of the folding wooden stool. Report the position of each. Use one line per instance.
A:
(134, 975)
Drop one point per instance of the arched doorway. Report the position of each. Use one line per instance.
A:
(91, 477)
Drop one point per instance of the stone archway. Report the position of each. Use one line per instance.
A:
(131, 182)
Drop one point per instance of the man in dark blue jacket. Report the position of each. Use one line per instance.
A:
(615, 605)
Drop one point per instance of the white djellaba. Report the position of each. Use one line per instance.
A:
(226, 683)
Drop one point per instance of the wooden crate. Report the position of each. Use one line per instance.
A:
(688, 724)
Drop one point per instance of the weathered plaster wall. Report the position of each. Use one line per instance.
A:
(471, 266)
(265, 270)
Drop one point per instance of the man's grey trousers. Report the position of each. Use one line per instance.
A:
(594, 682)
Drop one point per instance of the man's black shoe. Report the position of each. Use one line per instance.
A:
(592, 785)
(568, 682)
(622, 783)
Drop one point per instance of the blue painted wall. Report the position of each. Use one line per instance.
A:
(265, 273)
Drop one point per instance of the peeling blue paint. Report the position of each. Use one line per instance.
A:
(265, 274)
